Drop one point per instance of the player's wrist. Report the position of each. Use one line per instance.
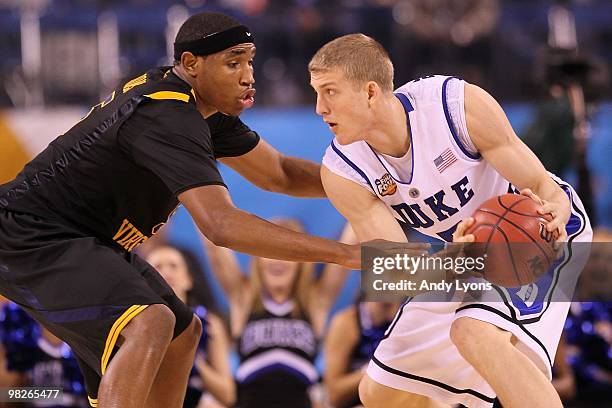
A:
(346, 255)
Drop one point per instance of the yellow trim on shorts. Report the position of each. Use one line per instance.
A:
(92, 401)
(169, 95)
(113, 335)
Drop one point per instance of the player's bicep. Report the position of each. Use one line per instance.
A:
(369, 217)
(261, 165)
(493, 136)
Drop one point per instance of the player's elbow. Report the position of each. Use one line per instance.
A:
(276, 184)
(279, 182)
(217, 227)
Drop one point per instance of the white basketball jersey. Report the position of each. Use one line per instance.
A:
(447, 182)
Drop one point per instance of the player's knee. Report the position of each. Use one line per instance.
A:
(462, 333)
(193, 332)
(475, 337)
(154, 325)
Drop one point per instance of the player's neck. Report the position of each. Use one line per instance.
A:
(391, 134)
(205, 110)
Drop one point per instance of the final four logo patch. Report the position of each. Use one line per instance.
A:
(386, 185)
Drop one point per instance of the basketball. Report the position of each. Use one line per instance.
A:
(517, 246)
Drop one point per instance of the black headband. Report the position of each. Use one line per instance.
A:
(214, 42)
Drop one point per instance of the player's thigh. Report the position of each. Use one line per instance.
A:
(375, 395)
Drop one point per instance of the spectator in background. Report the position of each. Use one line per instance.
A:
(354, 334)
(588, 331)
(445, 36)
(33, 357)
(551, 134)
(277, 316)
(211, 373)
(564, 379)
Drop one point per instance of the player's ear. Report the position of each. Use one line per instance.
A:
(373, 91)
(189, 62)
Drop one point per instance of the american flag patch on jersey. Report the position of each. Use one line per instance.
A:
(444, 160)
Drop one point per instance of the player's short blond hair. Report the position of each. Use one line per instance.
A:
(361, 58)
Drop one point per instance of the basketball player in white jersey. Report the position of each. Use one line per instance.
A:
(425, 157)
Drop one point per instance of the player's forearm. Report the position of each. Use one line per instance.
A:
(343, 390)
(244, 232)
(302, 178)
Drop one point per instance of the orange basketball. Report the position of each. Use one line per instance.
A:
(513, 235)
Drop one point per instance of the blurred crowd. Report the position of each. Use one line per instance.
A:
(55, 47)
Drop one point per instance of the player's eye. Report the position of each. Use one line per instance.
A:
(233, 64)
(251, 62)
(331, 92)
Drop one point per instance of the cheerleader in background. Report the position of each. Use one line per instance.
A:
(277, 316)
(210, 382)
(33, 357)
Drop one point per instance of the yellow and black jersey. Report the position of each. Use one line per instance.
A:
(116, 174)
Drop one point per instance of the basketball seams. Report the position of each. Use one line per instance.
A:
(514, 269)
(502, 217)
(531, 238)
(497, 225)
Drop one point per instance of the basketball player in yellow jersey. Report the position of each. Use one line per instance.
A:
(425, 157)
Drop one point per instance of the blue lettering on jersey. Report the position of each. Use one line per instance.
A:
(412, 216)
(464, 195)
(436, 203)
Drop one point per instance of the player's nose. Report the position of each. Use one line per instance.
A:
(321, 108)
(247, 79)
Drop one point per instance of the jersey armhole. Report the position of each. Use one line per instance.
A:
(339, 164)
(454, 111)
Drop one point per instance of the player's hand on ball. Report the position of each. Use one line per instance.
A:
(460, 232)
(461, 239)
(559, 213)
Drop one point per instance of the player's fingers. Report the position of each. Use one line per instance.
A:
(529, 193)
(562, 235)
(462, 227)
(557, 224)
(548, 208)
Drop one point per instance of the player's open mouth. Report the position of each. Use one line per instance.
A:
(248, 98)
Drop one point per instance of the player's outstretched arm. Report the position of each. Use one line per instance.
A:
(493, 136)
(271, 170)
(225, 225)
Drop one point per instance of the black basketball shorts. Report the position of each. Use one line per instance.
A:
(83, 291)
